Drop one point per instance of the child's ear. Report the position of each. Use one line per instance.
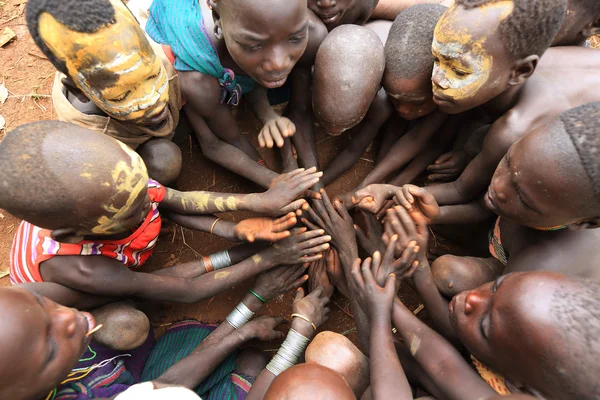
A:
(66, 235)
(592, 29)
(590, 223)
(214, 6)
(522, 69)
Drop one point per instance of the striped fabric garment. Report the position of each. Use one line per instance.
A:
(33, 245)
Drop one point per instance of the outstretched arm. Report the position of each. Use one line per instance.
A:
(281, 198)
(407, 147)
(217, 131)
(104, 276)
(476, 177)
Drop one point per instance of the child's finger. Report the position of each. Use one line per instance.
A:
(406, 191)
(407, 222)
(319, 208)
(362, 238)
(250, 237)
(291, 129)
(327, 203)
(299, 294)
(293, 206)
(356, 274)
(366, 272)
(314, 216)
(376, 263)
(397, 227)
(341, 209)
(406, 259)
(309, 224)
(311, 235)
(389, 250)
(284, 223)
(284, 127)
(297, 283)
(311, 194)
(302, 181)
(297, 231)
(261, 139)
(315, 249)
(268, 137)
(390, 284)
(305, 259)
(276, 236)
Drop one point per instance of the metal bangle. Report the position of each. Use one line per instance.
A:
(220, 260)
(289, 353)
(239, 316)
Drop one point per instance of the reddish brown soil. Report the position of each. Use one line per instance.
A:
(28, 76)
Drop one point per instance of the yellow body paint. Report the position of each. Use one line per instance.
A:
(222, 274)
(462, 62)
(231, 203)
(219, 204)
(115, 67)
(130, 180)
(256, 258)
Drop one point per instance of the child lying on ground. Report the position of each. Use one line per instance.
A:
(221, 50)
(110, 78)
(545, 192)
(90, 210)
(190, 354)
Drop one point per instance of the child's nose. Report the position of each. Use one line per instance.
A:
(438, 78)
(277, 63)
(65, 320)
(326, 3)
(473, 301)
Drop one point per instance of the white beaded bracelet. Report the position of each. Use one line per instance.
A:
(239, 316)
(289, 353)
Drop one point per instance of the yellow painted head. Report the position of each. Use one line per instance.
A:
(483, 47)
(72, 181)
(106, 54)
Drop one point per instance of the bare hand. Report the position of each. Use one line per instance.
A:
(275, 131)
(276, 281)
(284, 194)
(414, 198)
(408, 228)
(335, 271)
(265, 228)
(448, 166)
(300, 247)
(403, 267)
(371, 240)
(317, 272)
(375, 301)
(312, 306)
(373, 197)
(335, 220)
(263, 328)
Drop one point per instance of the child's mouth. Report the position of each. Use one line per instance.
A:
(274, 84)
(331, 18)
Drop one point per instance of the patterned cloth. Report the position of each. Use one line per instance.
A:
(33, 245)
(181, 340)
(496, 249)
(495, 381)
(179, 25)
(148, 362)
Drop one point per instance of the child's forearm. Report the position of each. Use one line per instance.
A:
(201, 202)
(435, 303)
(193, 369)
(469, 213)
(440, 360)
(416, 166)
(406, 148)
(203, 223)
(388, 380)
(259, 104)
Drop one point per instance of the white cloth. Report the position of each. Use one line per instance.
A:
(146, 391)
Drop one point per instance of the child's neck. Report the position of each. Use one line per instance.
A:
(502, 103)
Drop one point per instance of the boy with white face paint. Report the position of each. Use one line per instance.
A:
(493, 69)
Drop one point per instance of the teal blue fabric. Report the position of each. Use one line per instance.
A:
(179, 25)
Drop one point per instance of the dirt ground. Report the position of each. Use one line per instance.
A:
(28, 77)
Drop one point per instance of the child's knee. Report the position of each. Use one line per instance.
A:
(251, 362)
(162, 158)
(337, 352)
(450, 274)
(124, 327)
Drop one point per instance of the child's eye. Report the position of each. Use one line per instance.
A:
(297, 39)
(153, 76)
(122, 97)
(249, 47)
(459, 72)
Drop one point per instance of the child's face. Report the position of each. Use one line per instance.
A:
(115, 67)
(124, 191)
(331, 12)
(411, 98)
(471, 63)
(265, 38)
(528, 189)
(507, 324)
(42, 342)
